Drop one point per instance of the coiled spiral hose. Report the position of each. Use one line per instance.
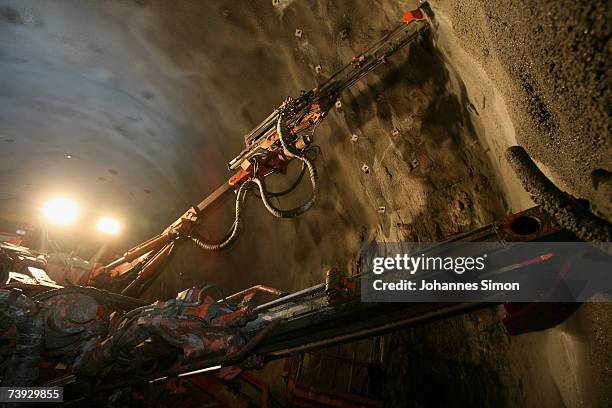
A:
(290, 151)
(235, 229)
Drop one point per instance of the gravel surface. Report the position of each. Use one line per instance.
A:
(551, 61)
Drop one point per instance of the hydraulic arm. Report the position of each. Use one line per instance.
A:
(285, 135)
(106, 341)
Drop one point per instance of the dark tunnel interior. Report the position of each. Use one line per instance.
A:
(124, 115)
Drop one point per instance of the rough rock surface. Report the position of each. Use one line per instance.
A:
(551, 61)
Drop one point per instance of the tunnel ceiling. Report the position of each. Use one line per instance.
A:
(119, 107)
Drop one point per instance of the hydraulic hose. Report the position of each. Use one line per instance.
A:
(291, 151)
(294, 212)
(564, 209)
(235, 229)
(289, 189)
(281, 129)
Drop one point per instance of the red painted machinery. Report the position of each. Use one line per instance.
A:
(285, 135)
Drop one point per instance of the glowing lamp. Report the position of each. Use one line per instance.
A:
(61, 211)
(108, 225)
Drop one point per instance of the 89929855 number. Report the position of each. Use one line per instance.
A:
(31, 394)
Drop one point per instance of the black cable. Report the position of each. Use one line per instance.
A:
(289, 189)
(234, 230)
(290, 151)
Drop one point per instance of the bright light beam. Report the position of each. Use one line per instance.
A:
(61, 211)
(200, 371)
(107, 225)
